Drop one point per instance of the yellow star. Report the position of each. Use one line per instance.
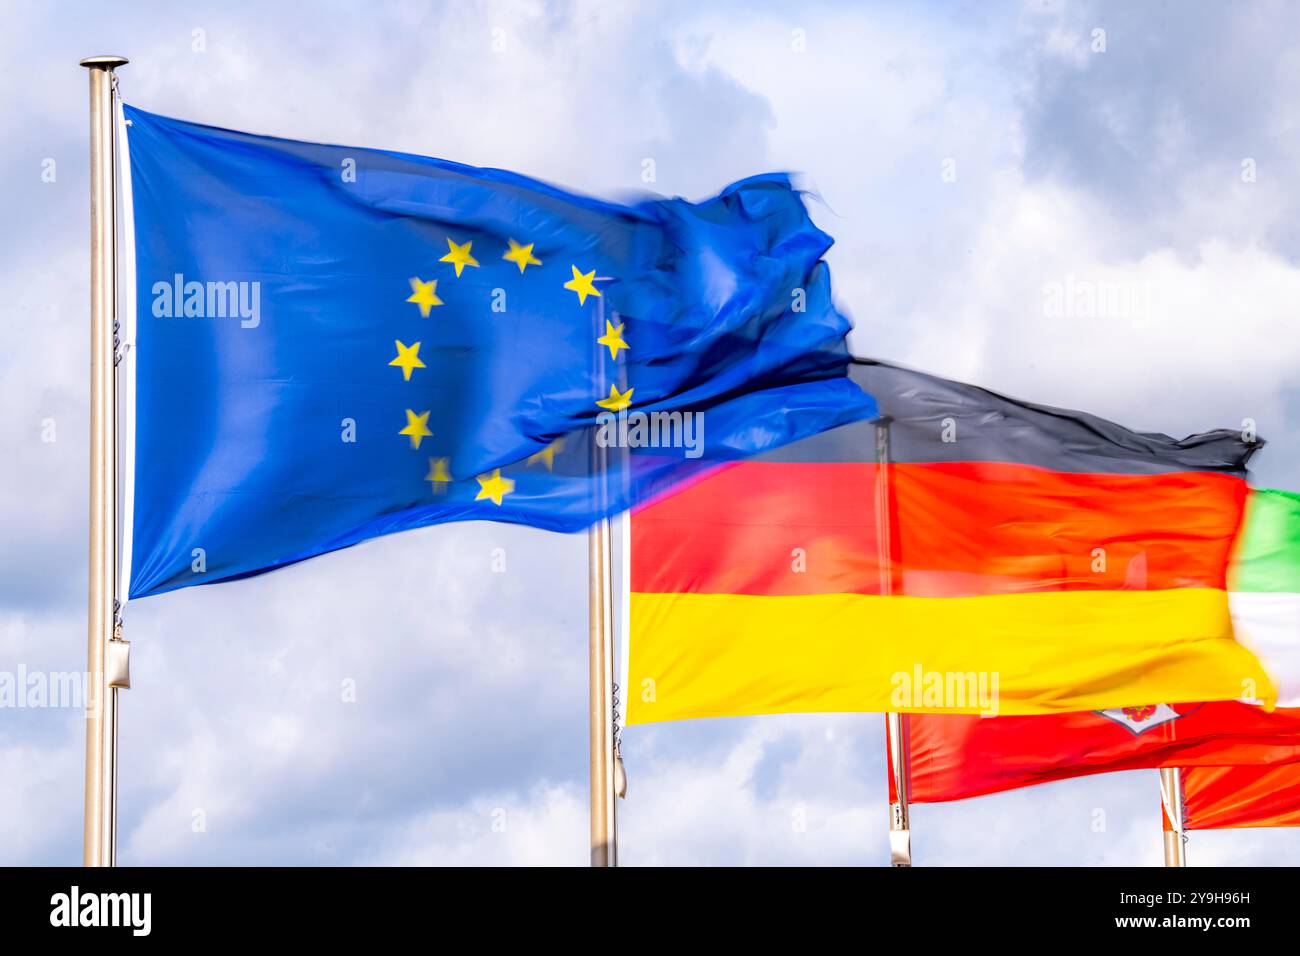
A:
(613, 337)
(417, 426)
(581, 284)
(616, 402)
(408, 359)
(494, 486)
(547, 455)
(459, 256)
(521, 256)
(425, 295)
(439, 473)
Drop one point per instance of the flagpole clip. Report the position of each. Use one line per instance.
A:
(900, 848)
(117, 660)
(620, 776)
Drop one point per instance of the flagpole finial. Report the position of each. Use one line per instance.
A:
(108, 62)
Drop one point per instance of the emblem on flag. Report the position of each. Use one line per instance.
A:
(1141, 719)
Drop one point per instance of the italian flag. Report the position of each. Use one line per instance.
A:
(1266, 611)
(1264, 583)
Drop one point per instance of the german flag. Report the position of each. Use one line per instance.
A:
(968, 553)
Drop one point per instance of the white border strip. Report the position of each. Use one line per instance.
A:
(126, 371)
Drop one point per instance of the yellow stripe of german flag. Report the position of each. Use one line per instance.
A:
(715, 655)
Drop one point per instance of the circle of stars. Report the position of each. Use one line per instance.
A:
(424, 295)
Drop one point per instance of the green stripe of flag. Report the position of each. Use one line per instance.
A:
(1268, 552)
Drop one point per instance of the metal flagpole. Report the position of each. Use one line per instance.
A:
(1171, 810)
(604, 830)
(900, 830)
(105, 652)
(600, 646)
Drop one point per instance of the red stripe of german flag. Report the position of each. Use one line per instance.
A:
(959, 530)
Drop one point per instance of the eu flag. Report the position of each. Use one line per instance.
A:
(333, 343)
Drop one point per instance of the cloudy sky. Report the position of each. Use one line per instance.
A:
(970, 159)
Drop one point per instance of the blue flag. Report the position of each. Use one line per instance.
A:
(334, 343)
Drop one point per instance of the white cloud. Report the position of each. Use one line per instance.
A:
(546, 827)
(1187, 342)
